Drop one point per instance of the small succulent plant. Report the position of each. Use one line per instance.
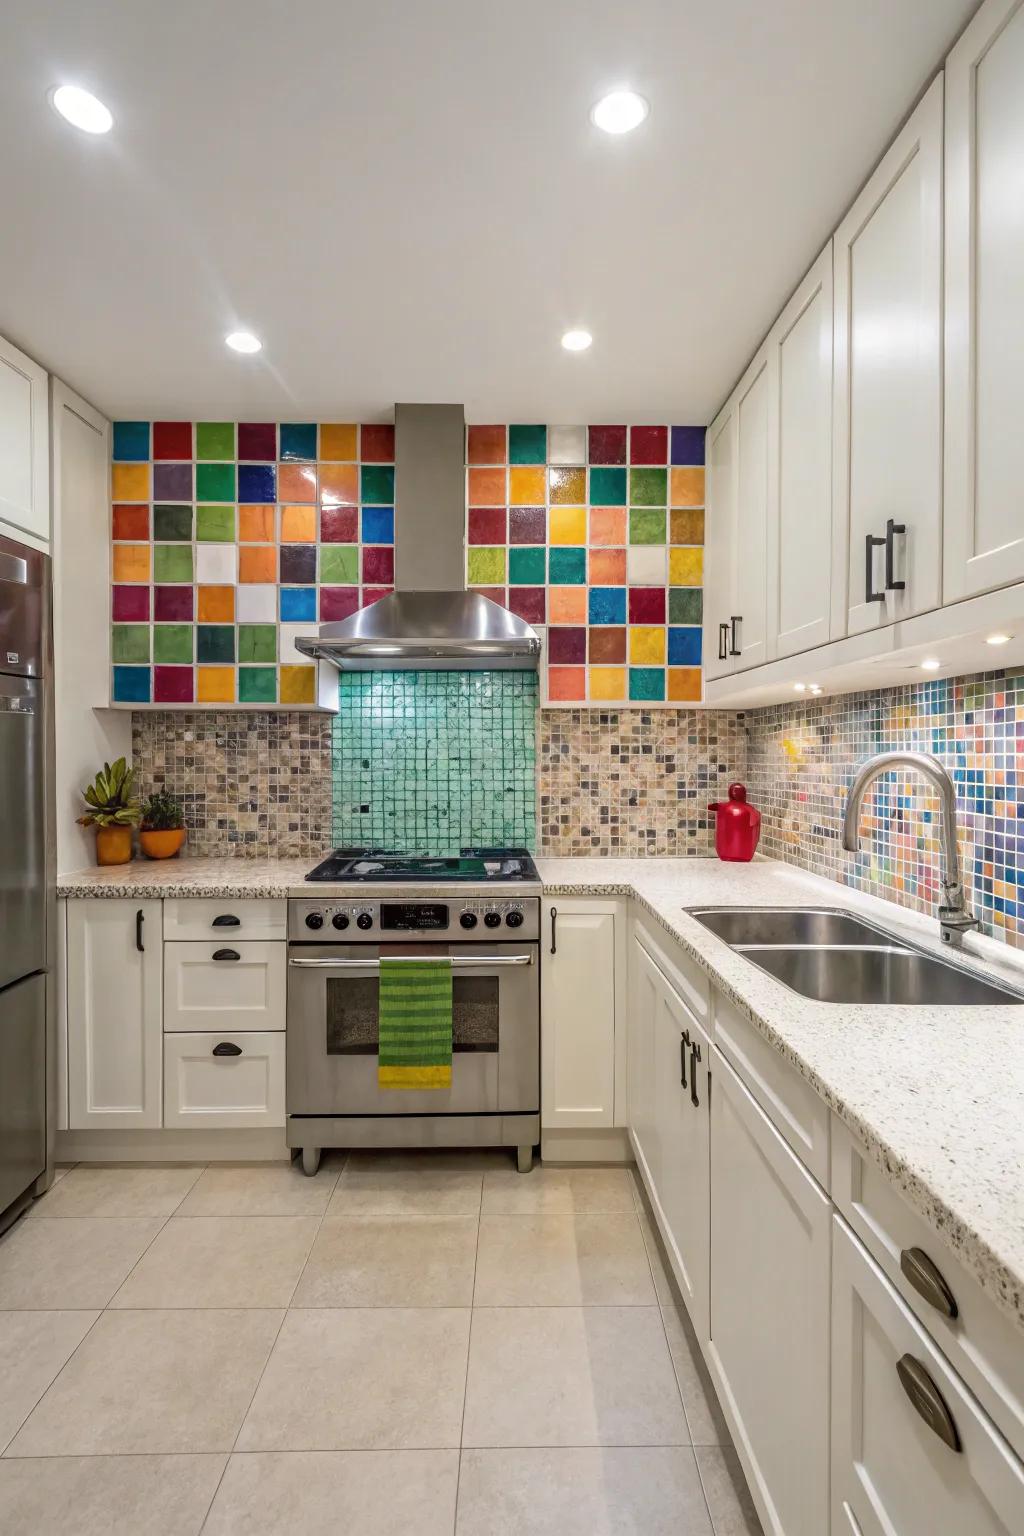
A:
(162, 813)
(109, 798)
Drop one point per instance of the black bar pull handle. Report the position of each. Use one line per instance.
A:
(140, 918)
(723, 642)
(734, 650)
(694, 1058)
(871, 543)
(227, 921)
(554, 918)
(891, 530)
(226, 954)
(226, 1048)
(684, 1044)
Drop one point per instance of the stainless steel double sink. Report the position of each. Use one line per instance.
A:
(834, 957)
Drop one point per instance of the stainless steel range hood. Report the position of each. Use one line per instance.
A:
(430, 622)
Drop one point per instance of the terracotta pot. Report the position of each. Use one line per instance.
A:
(161, 845)
(113, 845)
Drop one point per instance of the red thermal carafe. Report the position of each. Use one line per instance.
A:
(737, 826)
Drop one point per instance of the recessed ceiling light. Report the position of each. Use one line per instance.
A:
(619, 112)
(815, 688)
(799, 687)
(998, 639)
(931, 664)
(243, 341)
(576, 341)
(81, 109)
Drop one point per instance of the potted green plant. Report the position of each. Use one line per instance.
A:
(163, 826)
(112, 811)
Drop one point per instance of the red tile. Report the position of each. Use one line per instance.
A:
(131, 520)
(528, 603)
(567, 685)
(131, 605)
(647, 605)
(607, 445)
(173, 605)
(257, 440)
(172, 685)
(374, 594)
(338, 603)
(496, 594)
(378, 564)
(567, 646)
(339, 525)
(486, 525)
(377, 444)
(648, 445)
(172, 439)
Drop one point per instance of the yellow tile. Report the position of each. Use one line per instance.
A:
(684, 685)
(131, 562)
(130, 482)
(215, 685)
(298, 525)
(607, 682)
(647, 644)
(685, 567)
(527, 486)
(338, 440)
(298, 685)
(687, 488)
(568, 525)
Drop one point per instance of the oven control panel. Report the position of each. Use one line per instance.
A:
(474, 918)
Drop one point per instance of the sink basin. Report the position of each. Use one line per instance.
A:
(740, 926)
(879, 976)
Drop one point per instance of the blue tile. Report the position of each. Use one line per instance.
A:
(131, 685)
(257, 483)
(567, 567)
(647, 683)
(684, 646)
(688, 445)
(298, 440)
(378, 525)
(131, 441)
(607, 605)
(298, 605)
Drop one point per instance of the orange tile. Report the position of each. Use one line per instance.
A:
(296, 482)
(686, 525)
(257, 562)
(130, 482)
(526, 486)
(684, 685)
(485, 445)
(607, 525)
(131, 522)
(567, 684)
(568, 487)
(339, 484)
(131, 562)
(687, 487)
(298, 685)
(216, 605)
(298, 525)
(256, 526)
(567, 605)
(487, 487)
(607, 568)
(607, 682)
(215, 685)
(338, 440)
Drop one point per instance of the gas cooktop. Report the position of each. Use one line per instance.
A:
(374, 865)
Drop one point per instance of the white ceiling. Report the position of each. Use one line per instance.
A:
(406, 198)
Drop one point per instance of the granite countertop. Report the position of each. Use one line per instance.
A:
(936, 1094)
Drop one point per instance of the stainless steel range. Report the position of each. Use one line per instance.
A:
(482, 909)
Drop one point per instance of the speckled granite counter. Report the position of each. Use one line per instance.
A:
(935, 1094)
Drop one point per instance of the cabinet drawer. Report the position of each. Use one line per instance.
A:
(790, 1102)
(224, 917)
(981, 1342)
(218, 1091)
(224, 985)
(891, 1470)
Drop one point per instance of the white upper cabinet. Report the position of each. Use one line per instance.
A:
(984, 444)
(24, 445)
(887, 486)
(799, 512)
(719, 539)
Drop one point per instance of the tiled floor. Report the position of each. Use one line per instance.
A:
(429, 1344)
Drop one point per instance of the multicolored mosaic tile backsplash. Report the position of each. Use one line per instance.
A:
(802, 757)
(435, 761)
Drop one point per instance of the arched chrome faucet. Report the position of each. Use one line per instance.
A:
(955, 916)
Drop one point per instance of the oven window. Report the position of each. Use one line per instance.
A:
(352, 1015)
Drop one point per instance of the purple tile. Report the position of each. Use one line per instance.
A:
(298, 565)
(172, 604)
(131, 605)
(172, 685)
(172, 482)
(526, 525)
(567, 646)
(378, 564)
(257, 440)
(688, 445)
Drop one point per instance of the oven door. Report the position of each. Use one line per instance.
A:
(332, 1032)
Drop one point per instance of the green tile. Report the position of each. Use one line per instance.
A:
(607, 487)
(527, 445)
(173, 643)
(215, 525)
(215, 439)
(646, 683)
(215, 482)
(339, 565)
(172, 522)
(172, 562)
(129, 642)
(487, 566)
(648, 487)
(685, 605)
(567, 567)
(257, 642)
(646, 525)
(526, 566)
(257, 685)
(377, 485)
(215, 642)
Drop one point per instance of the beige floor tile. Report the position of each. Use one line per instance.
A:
(732, 1508)
(556, 1191)
(108, 1495)
(562, 1261)
(385, 1261)
(221, 1261)
(337, 1493)
(411, 1184)
(650, 1491)
(33, 1348)
(116, 1191)
(262, 1189)
(153, 1382)
(79, 1262)
(700, 1400)
(571, 1376)
(60, 1171)
(362, 1380)
(664, 1280)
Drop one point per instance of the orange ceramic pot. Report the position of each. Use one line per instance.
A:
(161, 845)
(113, 845)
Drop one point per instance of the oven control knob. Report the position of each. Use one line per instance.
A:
(315, 920)
(492, 919)
(514, 920)
(364, 920)
(468, 920)
(339, 920)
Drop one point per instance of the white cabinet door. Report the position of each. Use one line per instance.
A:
(984, 338)
(888, 384)
(115, 1039)
(224, 1080)
(748, 631)
(224, 986)
(644, 995)
(24, 444)
(892, 1470)
(769, 1351)
(800, 466)
(719, 540)
(578, 996)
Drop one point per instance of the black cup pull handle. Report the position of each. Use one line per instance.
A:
(928, 1400)
(723, 642)
(891, 530)
(694, 1058)
(140, 918)
(871, 543)
(226, 1048)
(928, 1281)
(227, 921)
(554, 918)
(226, 954)
(684, 1043)
(734, 650)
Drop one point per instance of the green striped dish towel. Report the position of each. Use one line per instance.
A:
(414, 1021)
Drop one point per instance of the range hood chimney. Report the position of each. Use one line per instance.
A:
(430, 622)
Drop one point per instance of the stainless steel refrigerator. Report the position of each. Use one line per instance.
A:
(26, 904)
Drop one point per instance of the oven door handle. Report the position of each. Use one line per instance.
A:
(458, 962)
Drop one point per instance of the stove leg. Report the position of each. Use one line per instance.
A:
(524, 1158)
(310, 1160)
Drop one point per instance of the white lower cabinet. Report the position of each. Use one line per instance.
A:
(224, 985)
(913, 1454)
(581, 976)
(769, 1350)
(224, 1081)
